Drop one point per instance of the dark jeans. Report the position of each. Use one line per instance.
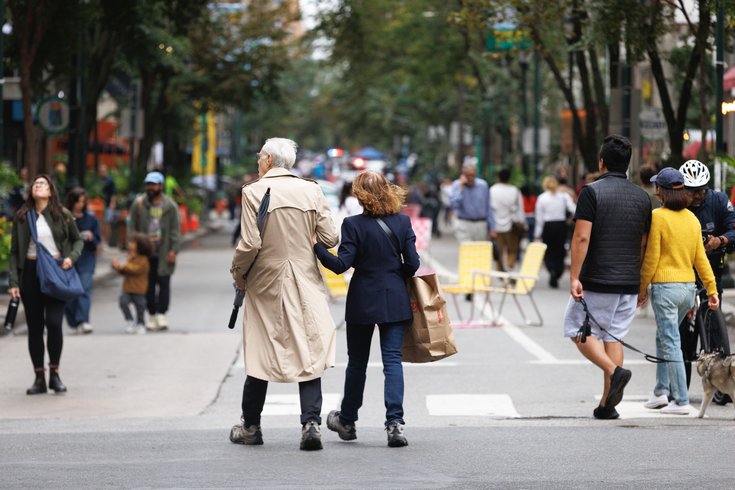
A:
(253, 399)
(554, 235)
(158, 300)
(41, 310)
(77, 310)
(358, 353)
(139, 301)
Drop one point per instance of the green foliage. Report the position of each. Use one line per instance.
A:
(5, 239)
(8, 180)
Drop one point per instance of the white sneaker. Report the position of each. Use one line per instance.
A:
(673, 409)
(140, 330)
(657, 401)
(130, 328)
(85, 328)
(151, 324)
(161, 321)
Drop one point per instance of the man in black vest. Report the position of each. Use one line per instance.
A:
(612, 220)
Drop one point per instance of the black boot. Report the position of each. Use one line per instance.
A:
(38, 386)
(54, 382)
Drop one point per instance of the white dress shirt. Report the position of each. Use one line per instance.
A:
(552, 206)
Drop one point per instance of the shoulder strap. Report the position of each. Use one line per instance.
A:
(391, 236)
(31, 219)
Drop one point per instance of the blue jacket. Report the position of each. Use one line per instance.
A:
(88, 222)
(377, 292)
(717, 217)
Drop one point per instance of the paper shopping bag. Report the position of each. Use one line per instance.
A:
(429, 337)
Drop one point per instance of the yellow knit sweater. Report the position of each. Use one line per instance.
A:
(674, 246)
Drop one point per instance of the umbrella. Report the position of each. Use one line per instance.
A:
(369, 153)
(240, 293)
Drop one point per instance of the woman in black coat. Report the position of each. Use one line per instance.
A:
(377, 295)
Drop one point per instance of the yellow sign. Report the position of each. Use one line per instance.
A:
(728, 107)
(204, 146)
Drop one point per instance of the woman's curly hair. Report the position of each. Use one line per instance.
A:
(377, 196)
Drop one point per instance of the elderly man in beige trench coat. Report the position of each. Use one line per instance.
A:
(288, 332)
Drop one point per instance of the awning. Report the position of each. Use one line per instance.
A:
(728, 79)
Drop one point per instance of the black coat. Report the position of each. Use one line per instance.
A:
(377, 292)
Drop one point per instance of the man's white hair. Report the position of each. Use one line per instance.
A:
(282, 150)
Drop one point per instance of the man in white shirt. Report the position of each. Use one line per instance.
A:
(507, 204)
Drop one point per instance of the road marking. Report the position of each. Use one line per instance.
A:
(632, 408)
(500, 406)
(562, 362)
(291, 404)
(406, 364)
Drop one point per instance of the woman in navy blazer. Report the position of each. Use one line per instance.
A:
(377, 295)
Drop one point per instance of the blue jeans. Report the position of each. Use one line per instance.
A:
(358, 352)
(671, 301)
(77, 310)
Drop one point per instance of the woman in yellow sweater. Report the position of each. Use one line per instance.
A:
(674, 246)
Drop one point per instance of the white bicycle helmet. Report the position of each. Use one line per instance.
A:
(696, 174)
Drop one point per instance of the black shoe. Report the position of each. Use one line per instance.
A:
(468, 297)
(554, 282)
(38, 386)
(395, 435)
(604, 413)
(311, 437)
(54, 383)
(618, 380)
(721, 398)
(347, 432)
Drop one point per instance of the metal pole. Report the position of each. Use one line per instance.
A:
(537, 117)
(2, 83)
(719, 72)
(573, 152)
(527, 173)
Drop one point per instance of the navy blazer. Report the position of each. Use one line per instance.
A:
(377, 292)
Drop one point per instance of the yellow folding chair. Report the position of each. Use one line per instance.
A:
(336, 284)
(475, 263)
(521, 283)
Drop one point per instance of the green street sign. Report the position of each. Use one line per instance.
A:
(506, 36)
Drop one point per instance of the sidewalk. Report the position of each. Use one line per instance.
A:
(103, 271)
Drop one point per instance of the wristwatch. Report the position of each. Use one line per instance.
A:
(723, 240)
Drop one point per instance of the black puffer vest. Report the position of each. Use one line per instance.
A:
(622, 217)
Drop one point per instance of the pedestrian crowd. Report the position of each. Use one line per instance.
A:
(71, 236)
(666, 241)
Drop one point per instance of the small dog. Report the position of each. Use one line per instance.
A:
(718, 374)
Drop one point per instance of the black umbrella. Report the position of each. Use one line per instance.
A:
(240, 293)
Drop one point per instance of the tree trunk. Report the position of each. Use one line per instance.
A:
(676, 121)
(588, 144)
(602, 107)
(32, 149)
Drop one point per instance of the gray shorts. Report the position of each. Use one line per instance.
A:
(613, 311)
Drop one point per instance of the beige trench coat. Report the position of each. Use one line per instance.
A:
(288, 331)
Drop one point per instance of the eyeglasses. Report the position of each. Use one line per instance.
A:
(261, 154)
(40, 183)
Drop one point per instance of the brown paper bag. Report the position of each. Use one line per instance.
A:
(429, 337)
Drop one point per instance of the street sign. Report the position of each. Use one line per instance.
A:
(505, 36)
(53, 115)
(653, 124)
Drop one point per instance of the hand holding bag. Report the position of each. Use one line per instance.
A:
(56, 282)
(429, 337)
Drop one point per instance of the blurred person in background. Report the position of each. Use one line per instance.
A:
(157, 216)
(645, 173)
(552, 210)
(507, 206)
(470, 200)
(77, 310)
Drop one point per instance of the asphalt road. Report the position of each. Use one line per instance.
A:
(512, 410)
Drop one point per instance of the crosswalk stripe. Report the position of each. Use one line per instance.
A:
(291, 405)
(496, 405)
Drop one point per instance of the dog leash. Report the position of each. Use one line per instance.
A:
(586, 329)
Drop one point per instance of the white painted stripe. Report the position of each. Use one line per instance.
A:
(515, 333)
(500, 405)
(291, 405)
(558, 362)
(408, 364)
